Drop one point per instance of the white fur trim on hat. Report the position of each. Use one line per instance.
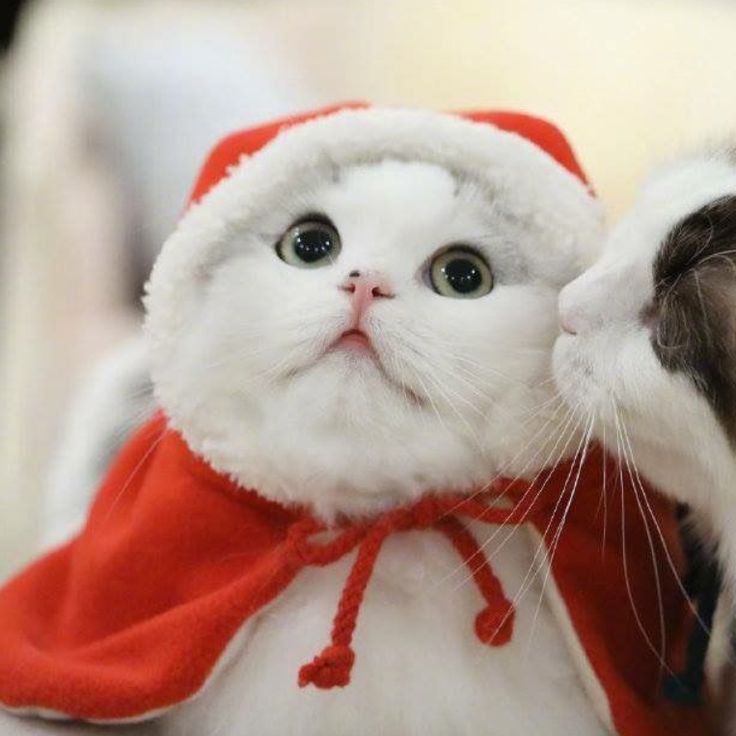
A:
(527, 184)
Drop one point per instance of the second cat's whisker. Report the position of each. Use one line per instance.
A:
(658, 653)
(530, 460)
(558, 535)
(531, 489)
(540, 552)
(644, 499)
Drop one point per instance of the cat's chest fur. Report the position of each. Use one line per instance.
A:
(419, 669)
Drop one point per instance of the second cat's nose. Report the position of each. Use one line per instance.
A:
(364, 287)
(570, 310)
(567, 323)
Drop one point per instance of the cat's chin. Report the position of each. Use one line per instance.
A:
(342, 435)
(354, 453)
(338, 438)
(354, 372)
(359, 363)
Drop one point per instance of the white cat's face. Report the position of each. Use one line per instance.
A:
(452, 285)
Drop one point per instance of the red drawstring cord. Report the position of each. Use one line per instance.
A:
(493, 625)
(332, 667)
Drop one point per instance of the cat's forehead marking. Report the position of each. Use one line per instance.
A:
(466, 206)
(695, 297)
(327, 168)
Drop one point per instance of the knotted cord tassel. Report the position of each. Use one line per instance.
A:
(494, 625)
(333, 667)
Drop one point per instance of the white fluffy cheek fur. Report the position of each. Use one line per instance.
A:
(604, 369)
(450, 401)
(655, 419)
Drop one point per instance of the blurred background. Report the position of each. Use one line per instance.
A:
(107, 108)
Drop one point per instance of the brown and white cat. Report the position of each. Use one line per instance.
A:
(648, 349)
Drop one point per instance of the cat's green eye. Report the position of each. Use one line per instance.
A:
(460, 272)
(310, 243)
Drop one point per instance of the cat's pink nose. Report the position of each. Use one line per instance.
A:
(364, 287)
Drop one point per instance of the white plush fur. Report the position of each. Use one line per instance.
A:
(609, 369)
(458, 392)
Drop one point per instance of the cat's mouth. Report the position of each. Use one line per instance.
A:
(357, 342)
(354, 339)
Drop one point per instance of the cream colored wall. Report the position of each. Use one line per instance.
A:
(631, 82)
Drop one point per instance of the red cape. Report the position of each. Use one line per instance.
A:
(131, 617)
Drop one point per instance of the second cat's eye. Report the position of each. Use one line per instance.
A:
(460, 272)
(311, 242)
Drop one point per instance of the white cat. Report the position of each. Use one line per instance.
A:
(359, 314)
(451, 281)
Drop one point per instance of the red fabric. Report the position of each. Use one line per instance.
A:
(229, 150)
(133, 614)
(537, 130)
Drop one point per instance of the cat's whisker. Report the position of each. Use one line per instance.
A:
(603, 501)
(410, 340)
(532, 411)
(560, 527)
(538, 492)
(136, 469)
(655, 563)
(541, 549)
(409, 398)
(532, 488)
(567, 422)
(569, 415)
(643, 495)
(457, 374)
(501, 529)
(659, 654)
(447, 395)
(131, 422)
(428, 395)
(565, 425)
